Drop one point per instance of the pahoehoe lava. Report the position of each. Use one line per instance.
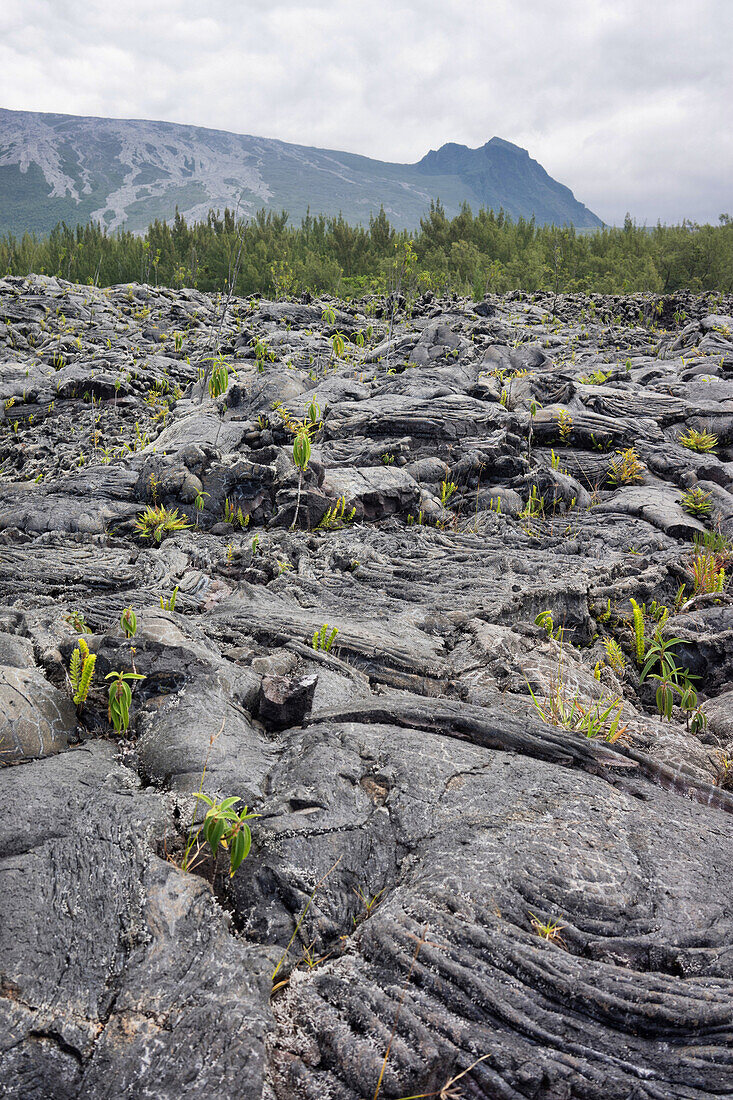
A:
(497, 891)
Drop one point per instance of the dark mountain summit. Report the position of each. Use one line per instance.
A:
(500, 174)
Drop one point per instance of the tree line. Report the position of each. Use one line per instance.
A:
(475, 254)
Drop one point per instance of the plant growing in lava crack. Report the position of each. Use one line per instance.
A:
(219, 378)
(120, 698)
(324, 638)
(301, 454)
(157, 521)
(224, 827)
(697, 502)
(626, 469)
(128, 622)
(81, 671)
(700, 441)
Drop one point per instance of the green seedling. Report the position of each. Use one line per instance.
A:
(120, 698)
(324, 638)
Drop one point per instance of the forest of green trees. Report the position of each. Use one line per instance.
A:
(470, 253)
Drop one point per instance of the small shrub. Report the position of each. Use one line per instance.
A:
(302, 445)
(219, 379)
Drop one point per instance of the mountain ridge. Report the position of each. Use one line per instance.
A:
(73, 168)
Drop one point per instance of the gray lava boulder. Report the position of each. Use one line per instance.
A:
(36, 720)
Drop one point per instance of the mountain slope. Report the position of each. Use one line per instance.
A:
(128, 172)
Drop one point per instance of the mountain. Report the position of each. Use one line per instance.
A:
(128, 172)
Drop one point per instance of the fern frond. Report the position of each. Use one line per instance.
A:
(639, 640)
(75, 669)
(86, 678)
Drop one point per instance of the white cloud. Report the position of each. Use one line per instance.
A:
(625, 101)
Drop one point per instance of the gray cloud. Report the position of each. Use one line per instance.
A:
(625, 101)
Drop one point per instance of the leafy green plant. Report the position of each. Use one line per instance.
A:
(639, 631)
(324, 638)
(120, 698)
(170, 603)
(262, 352)
(313, 415)
(697, 502)
(302, 446)
(708, 574)
(535, 506)
(614, 653)
(81, 671)
(626, 469)
(388, 459)
(700, 441)
(660, 652)
(601, 718)
(128, 622)
(335, 517)
(546, 621)
(224, 827)
(77, 620)
(218, 379)
(233, 514)
(199, 504)
(338, 344)
(447, 489)
(157, 521)
(597, 378)
(565, 425)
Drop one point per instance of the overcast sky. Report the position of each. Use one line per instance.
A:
(627, 102)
